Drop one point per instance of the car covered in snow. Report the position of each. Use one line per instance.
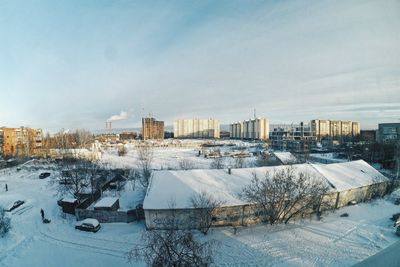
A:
(89, 224)
(16, 204)
(44, 175)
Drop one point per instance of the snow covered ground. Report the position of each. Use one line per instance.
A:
(169, 158)
(334, 241)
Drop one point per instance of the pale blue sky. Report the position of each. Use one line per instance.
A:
(73, 64)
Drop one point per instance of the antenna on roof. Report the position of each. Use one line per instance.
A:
(255, 115)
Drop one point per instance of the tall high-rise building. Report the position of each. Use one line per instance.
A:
(152, 129)
(196, 128)
(254, 129)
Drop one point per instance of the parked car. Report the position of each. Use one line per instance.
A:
(89, 224)
(16, 204)
(44, 175)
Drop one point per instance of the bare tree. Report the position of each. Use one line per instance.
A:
(78, 176)
(122, 151)
(83, 138)
(265, 159)
(239, 163)
(217, 163)
(5, 223)
(145, 160)
(284, 194)
(205, 206)
(172, 248)
(185, 164)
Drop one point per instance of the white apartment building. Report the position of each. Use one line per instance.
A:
(256, 129)
(196, 128)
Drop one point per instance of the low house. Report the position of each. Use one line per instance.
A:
(107, 203)
(286, 158)
(68, 205)
(169, 192)
(354, 181)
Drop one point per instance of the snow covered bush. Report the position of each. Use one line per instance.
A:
(5, 223)
(206, 205)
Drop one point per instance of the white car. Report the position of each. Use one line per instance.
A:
(89, 224)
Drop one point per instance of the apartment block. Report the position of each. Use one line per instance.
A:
(298, 138)
(196, 128)
(388, 132)
(152, 129)
(22, 142)
(335, 128)
(253, 129)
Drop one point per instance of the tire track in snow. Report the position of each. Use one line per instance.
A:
(92, 248)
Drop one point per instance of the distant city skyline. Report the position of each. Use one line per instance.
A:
(76, 64)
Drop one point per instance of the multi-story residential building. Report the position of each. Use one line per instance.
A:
(22, 142)
(197, 128)
(1, 142)
(253, 129)
(152, 129)
(296, 138)
(334, 129)
(388, 132)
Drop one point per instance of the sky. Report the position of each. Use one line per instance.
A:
(75, 64)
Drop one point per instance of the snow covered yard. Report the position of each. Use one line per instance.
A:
(334, 241)
(32, 243)
(168, 157)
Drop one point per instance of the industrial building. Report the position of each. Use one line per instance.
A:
(152, 129)
(298, 138)
(196, 128)
(253, 129)
(388, 132)
(21, 142)
(348, 182)
(334, 128)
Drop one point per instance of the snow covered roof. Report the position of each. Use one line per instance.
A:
(69, 200)
(286, 157)
(90, 221)
(348, 175)
(106, 202)
(177, 187)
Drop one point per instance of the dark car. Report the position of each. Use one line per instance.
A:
(44, 175)
(16, 204)
(90, 225)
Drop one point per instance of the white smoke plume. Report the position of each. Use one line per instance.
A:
(122, 116)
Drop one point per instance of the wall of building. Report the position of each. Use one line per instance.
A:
(106, 216)
(362, 194)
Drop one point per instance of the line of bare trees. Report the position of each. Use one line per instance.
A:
(285, 194)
